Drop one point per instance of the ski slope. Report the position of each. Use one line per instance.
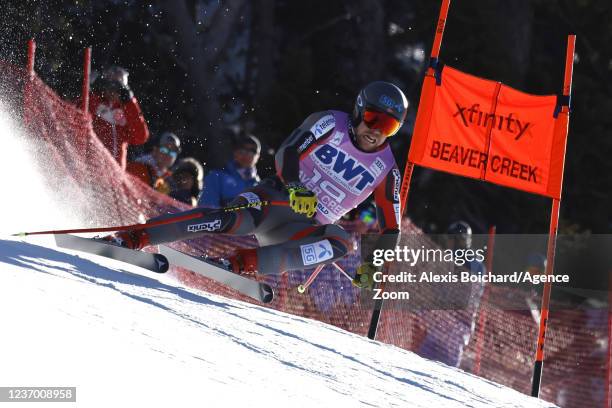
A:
(127, 337)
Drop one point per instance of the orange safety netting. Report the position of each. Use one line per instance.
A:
(83, 172)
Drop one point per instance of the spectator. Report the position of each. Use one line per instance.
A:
(187, 181)
(116, 116)
(154, 168)
(536, 264)
(447, 346)
(223, 185)
(363, 217)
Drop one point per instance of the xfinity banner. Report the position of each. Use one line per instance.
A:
(482, 129)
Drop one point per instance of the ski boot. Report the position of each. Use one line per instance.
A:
(134, 239)
(243, 262)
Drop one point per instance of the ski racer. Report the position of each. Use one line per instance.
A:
(330, 164)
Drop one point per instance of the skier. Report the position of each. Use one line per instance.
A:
(332, 162)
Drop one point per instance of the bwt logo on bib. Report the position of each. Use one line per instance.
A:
(345, 166)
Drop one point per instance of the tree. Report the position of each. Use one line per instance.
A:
(201, 43)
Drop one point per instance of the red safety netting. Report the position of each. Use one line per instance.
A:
(81, 171)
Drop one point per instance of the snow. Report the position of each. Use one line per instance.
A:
(126, 336)
(24, 167)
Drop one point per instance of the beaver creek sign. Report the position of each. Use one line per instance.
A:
(482, 129)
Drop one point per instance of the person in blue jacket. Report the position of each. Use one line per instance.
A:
(222, 185)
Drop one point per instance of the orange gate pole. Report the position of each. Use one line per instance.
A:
(552, 237)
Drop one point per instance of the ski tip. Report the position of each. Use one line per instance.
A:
(19, 234)
(162, 263)
(267, 294)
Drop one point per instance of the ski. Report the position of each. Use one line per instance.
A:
(154, 262)
(252, 288)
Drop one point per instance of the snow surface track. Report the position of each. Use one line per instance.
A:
(126, 337)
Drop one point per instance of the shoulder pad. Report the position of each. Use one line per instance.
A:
(323, 125)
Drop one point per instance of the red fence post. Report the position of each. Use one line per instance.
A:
(482, 319)
(27, 88)
(86, 74)
(31, 54)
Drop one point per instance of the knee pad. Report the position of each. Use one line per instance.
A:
(339, 239)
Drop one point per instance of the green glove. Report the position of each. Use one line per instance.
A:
(364, 278)
(301, 199)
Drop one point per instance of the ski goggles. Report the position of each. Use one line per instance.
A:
(168, 152)
(386, 124)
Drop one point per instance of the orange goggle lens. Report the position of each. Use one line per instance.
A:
(387, 124)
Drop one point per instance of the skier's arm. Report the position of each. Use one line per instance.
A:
(386, 196)
(311, 132)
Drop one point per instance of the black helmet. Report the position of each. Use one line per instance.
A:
(193, 167)
(461, 233)
(117, 74)
(170, 139)
(247, 139)
(383, 97)
(113, 79)
(459, 227)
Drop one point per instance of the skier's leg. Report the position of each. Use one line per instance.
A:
(306, 246)
(237, 222)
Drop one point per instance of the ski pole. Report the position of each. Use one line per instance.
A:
(168, 220)
(343, 272)
(302, 288)
(255, 204)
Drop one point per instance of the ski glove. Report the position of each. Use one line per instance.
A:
(162, 186)
(301, 199)
(364, 278)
